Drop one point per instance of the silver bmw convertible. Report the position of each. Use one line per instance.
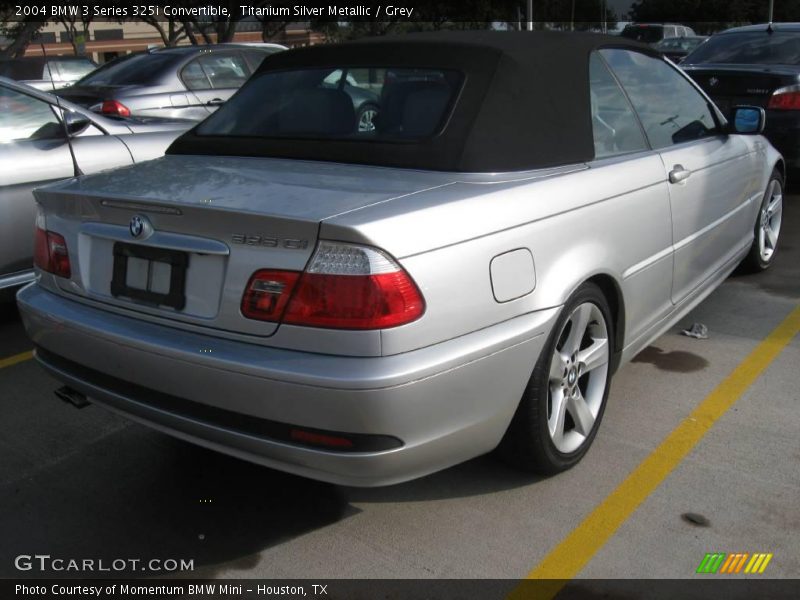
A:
(529, 211)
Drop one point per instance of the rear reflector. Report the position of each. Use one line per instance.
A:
(319, 439)
(50, 253)
(344, 287)
(787, 98)
(115, 107)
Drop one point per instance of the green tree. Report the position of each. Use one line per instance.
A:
(21, 33)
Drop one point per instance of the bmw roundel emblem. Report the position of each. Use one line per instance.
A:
(138, 226)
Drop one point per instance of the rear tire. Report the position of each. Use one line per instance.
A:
(365, 118)
(767, 227)
(563, 403)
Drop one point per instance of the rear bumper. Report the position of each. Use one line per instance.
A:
(11, 280)
(783, 132)
(442, 404)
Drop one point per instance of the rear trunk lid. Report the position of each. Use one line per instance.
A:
(224, 217)
(90, 95)
(732, 85)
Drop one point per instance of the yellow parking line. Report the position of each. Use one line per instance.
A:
(567, 559)
(17, 358)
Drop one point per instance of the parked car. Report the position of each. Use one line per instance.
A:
(366, 307)
(49, 73)
(676, 49)
(650, 33)
(365, 101)
(34, 150)
(758, 65)
(188, 82)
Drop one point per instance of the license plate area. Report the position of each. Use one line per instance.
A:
(155, 276)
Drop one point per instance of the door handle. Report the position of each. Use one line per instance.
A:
(679, 174)
(215, 102)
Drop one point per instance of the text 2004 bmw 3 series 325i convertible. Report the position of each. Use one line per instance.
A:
(365, 305)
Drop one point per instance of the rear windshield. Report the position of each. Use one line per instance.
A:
(134, 69)
(643, 33)
(74, 69)
(370, 104)
(752, 47)
(680, 43)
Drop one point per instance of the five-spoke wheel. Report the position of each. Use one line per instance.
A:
(578, 373)
(767, 227)
(562, 406)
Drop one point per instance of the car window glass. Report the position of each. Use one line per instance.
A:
(614, 125)
(25, 118)
(378, 103)
(256, 57)
(131, 69)
(47, 72)
(224, 71)
(73, 69)
(643, 33)
(194, 77)
(669, 44)
(756, 47)
(670, 108)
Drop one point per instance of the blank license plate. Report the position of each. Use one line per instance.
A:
(151, 275)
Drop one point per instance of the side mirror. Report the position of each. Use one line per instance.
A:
(748, 120)
(75, 122)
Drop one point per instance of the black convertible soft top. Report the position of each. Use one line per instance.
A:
(524, 103)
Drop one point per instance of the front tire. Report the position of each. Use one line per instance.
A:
(563, 403)
(767, 227)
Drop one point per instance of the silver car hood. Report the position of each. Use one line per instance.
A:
(307, 191)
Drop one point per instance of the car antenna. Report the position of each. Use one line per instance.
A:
(75, 168)
(769, 23)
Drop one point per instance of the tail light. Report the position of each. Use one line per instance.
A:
(115, 108)
(344, 287)
(50, 253)
(786, 98)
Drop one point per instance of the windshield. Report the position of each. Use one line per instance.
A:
(370, 104)
(680, 43)
(643, 33)
(133, 69)
(752, 47)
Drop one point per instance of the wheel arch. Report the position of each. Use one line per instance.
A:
(613, 293)
(780, 166)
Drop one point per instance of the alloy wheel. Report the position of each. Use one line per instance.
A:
(770, 221)
(365, 120)
(577, 378)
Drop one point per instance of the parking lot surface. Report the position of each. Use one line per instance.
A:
(88, 483)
